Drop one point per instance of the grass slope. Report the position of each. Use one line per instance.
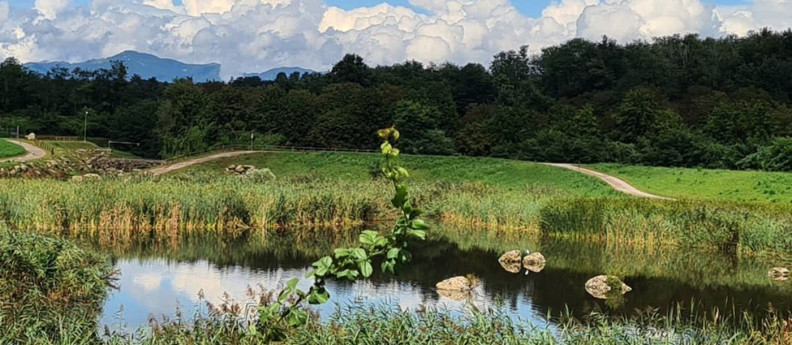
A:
(706, 184)
(507, 174)
(7, 149)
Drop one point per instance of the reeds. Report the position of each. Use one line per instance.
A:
(122, 211)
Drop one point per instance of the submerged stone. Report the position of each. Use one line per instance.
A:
(455, 284)
(534, 262)
(779, 274)
(603, 286)
(510, 261)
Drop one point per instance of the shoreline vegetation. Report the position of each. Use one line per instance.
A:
(506, 197)
(62, 306)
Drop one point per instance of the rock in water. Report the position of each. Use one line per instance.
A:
(534, 262)
(779, 274)
(510, 261)
(455, 284)
(601, 286)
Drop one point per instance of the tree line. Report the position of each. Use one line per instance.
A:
(675, 101)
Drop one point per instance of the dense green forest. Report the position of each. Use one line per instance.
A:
(676, 101)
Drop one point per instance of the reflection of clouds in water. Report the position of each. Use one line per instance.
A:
(158, 287)
(148, 281)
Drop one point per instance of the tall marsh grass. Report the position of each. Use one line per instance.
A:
(121, 211)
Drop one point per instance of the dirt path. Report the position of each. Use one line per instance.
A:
(617, 183)
(181, 165)
(33, 152)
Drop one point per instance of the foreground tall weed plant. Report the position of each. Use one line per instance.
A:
(353, 263)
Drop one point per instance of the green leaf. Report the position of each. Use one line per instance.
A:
(359, 254)
(325, 262)
(418, 224)
(365, 268)
(368, 237)
(310, 274)
(292, 284)
(407, 207)
(402, 171)
(405, 256)
(419, 234)
(297, 317)
(388, 266)
(401, 196)
(320, 296)
(393, 253)
(341, 253)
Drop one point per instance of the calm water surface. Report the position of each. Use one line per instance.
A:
(158, 282)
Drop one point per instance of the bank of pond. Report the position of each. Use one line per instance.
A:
(138, 208)
(200, 289)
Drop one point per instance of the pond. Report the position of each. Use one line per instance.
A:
(158, 280)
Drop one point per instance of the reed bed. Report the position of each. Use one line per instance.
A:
(123, 211)
(50, 289)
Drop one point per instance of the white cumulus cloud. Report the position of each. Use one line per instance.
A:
(255, 35)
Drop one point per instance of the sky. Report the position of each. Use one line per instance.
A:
(257, 35)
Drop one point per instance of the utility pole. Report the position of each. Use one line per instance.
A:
(85, 126)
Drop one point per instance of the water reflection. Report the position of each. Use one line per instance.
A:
(156, 279)
(160, 287)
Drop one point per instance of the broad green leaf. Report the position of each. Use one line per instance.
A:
(320, 296)
(393, 253)
(401, 196)
(365, 268)
(419, 234)
(368, 237)
(359, 254)
(341, 252)
(418, 224)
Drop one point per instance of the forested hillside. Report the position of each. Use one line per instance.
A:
(676, 101)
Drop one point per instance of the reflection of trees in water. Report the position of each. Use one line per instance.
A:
(660, 278)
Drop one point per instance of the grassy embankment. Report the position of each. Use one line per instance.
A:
(8, 149)
(706, 184)
(320, 190)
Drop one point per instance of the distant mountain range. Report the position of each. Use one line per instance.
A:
(150, 66)
(273, 73)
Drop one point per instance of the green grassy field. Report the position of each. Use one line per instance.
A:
(8, 149)
(507, 174)
(706, 184)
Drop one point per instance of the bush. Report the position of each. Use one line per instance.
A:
(774, 157)
(49, 288)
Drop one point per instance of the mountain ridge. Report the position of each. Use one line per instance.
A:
(163, 69)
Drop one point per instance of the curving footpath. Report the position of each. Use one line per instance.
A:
(190, 162)
(617, 183)
(33, 152)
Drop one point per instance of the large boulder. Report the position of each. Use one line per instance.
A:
(604, 286)
(779, 274)
(510, 261)
(455, 284)
(534, 262)
(456, 288)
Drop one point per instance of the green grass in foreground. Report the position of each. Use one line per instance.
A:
(507, 174)
(706, 184)
(7, 149)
